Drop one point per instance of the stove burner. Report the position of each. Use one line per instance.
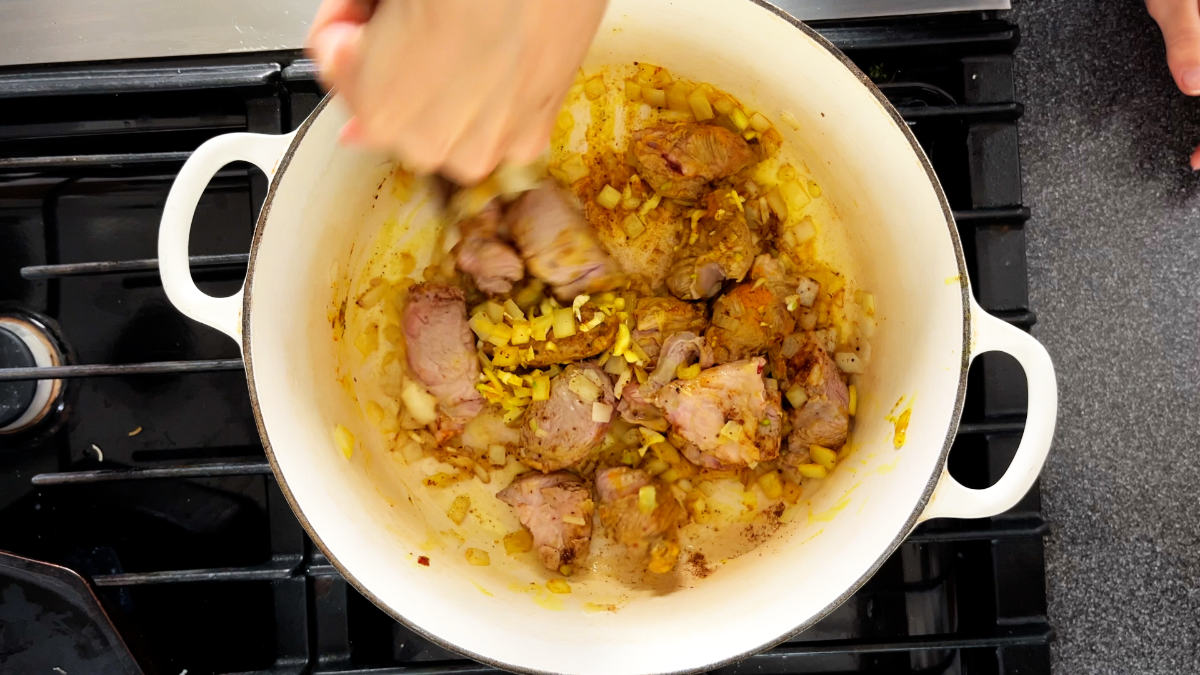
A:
(24, 343)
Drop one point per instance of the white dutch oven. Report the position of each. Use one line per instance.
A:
(903, 239)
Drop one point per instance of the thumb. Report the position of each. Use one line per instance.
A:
(1179, 21)
(335, 49)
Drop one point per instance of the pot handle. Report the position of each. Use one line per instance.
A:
(952, 499)
(224, 314)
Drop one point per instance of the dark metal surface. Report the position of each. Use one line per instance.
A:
(51, 622)
(15, 397)
(157, 489)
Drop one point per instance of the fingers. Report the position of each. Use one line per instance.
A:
(1179, 21)
(337, 11)
(1195, 159)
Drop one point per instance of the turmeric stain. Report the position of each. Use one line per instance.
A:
(900, 422)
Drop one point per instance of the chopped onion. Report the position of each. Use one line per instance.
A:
(677, 97)
(796, 396)
(594, 88)
(540, 325)
(739, 119)
(522, 331)
(609, 197)
(633, 90)
(806, 291)
(419, 403)
(777, 203)
(731, 431)
(791, 345)
(759, 122)
(583, 386)
(458, 509)
(848, 362)
(564, 323)
(497, 455)
(698, 102)
(852, 405)
(578, 303)
(633, 226)
(512, 310)
(601, 412)
(823, 456)
(647, 499)
(344, 440)
(650, 204)
(655, 97)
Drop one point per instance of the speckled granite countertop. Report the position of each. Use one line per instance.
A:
(1114, 257)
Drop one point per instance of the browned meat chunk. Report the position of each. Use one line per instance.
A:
(721, 246)
(485, 256)
(752, 316)
(559, 246)
(681, 349)
(560, 432)
(680, 160)
(656, 319)
(824, 417)
(581, 345)
(647, 528)
(441, 351)
(723, 416)
(557, 509)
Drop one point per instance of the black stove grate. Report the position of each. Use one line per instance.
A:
(155, 486)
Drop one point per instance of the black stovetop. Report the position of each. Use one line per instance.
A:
(151, 481)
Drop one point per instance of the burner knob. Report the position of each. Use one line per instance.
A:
(27, 341)
(15, 396)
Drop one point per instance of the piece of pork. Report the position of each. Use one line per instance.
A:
(581, 345)
(824, 417)
(649, 534)
(485, 254)
(558, 245)
(723, 415)
(681, 349)
(441, 351)
(722, 247)
(680, 160)
(560, 432)
(657, 318)
(557, 509)
(752, 317)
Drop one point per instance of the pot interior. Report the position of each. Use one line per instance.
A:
(888, 229)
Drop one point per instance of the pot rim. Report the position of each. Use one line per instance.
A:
(909, 524)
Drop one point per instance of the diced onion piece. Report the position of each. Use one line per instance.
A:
(367, 341)
(522, 331)
(630, 203)
(687, 372)
(655, 466)
(458, 509)
(494, 311)
(573, 169)
(478, 557)
(786, 173)
(650, 437)
(615, 365)
(647, 499)
(814, 189)
(601, 412)
(559, 586)
(806, 291)
(650, 204)
(796, 396)
(518, 542)
(512, 310)
(794, 193)
(677, 97)
(594, 88)
(738, 117)
(540, 387)
(698, 102)
(655, 97)
(867, 302)
(791, 345)
(803, 230)
(731, 431)
(823, 456)
(596, 320)
(564, 323)
(583, 386)
(633, 226)
(574, 520)
(497, 455)
(812, 471)
(506, 357)
(374, 412)
(622, 380)
(777, 203)
(622, 341)
(852, 406)
(530, 294)
(540, 326)
(848, 362)
(723, 104)
(344, 440)
(633, 90)
(771, 484)
(759, 122)
(609, 197)
(419, 403)
(578, 303)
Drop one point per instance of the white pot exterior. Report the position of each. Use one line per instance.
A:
(907, 253)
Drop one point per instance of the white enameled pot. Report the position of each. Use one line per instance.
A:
(899, 231)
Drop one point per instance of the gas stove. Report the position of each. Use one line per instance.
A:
(128, 453)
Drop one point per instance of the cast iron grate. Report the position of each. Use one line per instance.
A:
(181, 527)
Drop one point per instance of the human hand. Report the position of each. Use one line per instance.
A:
(1179, 21)
(453, 86)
